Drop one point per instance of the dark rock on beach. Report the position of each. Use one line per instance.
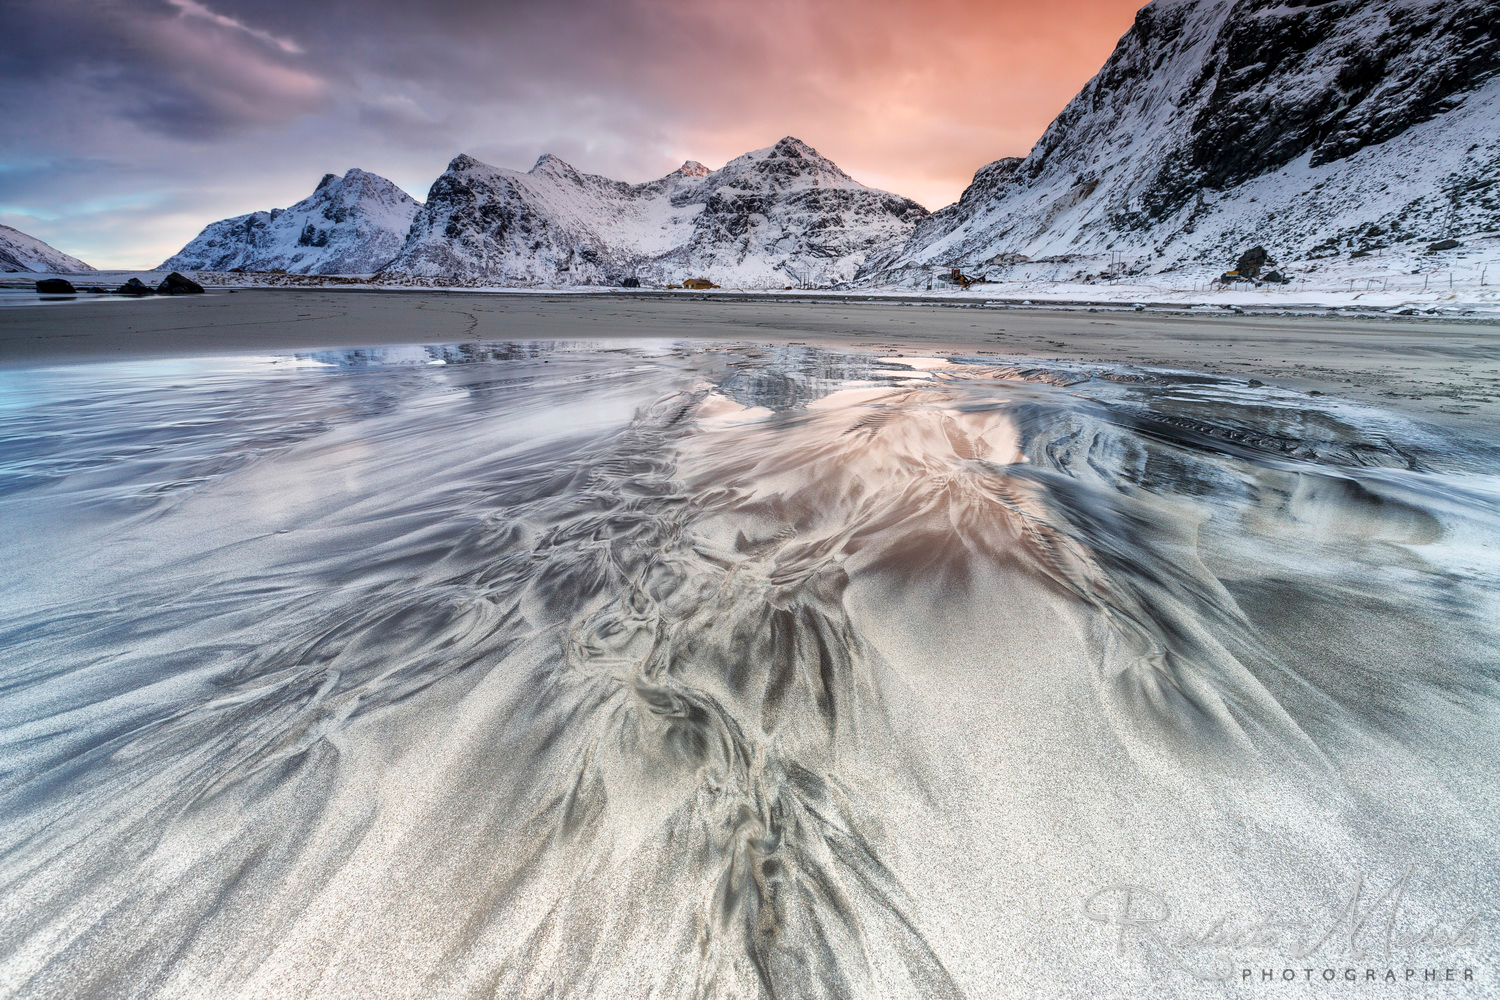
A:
(176, 284)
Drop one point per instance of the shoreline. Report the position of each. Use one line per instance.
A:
(1225, 302)
(1444, 371)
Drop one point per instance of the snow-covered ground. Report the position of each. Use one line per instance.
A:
(1461, 283)
(1463, 279)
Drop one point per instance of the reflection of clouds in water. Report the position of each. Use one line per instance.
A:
(735, 671)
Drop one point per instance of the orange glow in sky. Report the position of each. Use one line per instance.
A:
(912, 98)
(129, 127)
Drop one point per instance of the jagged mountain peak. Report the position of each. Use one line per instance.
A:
(548, 163)
(463, 162)
(793, 147)
(789, 163)
(352, 224)
(692, 168)
(364, 179)
(789, 148)
(358, 185)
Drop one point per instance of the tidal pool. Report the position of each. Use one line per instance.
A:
(711, 670)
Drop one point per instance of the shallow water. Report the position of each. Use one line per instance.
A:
(664, 669)
(28, 297)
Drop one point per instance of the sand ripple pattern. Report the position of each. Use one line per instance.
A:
(671, 670)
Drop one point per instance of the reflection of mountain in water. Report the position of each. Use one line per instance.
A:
(568, 670)
(452, 354)
(788, 378)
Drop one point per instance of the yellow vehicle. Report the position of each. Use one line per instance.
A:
(957, 277)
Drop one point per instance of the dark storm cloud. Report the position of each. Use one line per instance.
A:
(207, 108)
(169, 67)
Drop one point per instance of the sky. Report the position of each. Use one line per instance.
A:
(128, 125)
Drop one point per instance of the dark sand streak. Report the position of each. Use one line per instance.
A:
(695, 669)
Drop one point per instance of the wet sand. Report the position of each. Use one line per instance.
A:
(685, 649)
(1445, 373)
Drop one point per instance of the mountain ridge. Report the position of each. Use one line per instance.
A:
(1321, 126)
(1317, 127)
(772, 216)
(22, 252)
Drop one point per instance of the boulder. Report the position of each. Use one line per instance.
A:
(176, 284)
(135, 286)
(55, 286)
(1251, 262)
(1276, 278)
(1442, 245)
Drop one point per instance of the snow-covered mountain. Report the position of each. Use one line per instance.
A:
(352, 224)
(20, 252)
(778, 215)
(1314, 127)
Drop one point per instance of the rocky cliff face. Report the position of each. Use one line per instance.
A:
(352, 224)
(20, 252)
(1316, 127)
(775, 216)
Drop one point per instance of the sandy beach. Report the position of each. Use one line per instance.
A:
(1445, 372)
(804, 501)
(364, 645)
